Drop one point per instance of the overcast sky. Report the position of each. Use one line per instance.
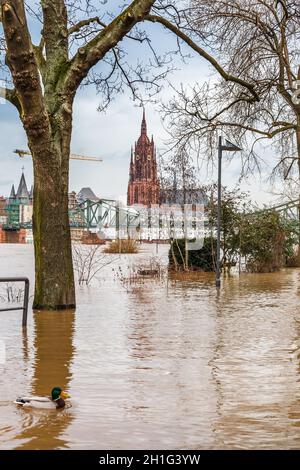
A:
(110, 135)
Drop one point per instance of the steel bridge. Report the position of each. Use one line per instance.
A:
(108, 213)
(289, 210)
(104, 213)
(101, 214)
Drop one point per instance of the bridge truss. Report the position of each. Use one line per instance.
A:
(105, 213)
(108, 213)
(289, 211)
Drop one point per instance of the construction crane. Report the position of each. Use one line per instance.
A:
(73, 156)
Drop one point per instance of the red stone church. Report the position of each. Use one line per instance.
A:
(143, 186)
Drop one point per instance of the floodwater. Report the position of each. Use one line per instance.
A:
(156, 366)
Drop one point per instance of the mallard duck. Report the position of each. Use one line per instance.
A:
(57, 400)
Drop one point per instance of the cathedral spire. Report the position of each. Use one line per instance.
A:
(143, 185)
(144, 124)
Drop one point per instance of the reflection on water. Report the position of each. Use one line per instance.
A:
(157, 366)
(53, 346)
(52, 353)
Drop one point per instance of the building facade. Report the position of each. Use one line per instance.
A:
(19, 205)
(143, 186)
(3, 214)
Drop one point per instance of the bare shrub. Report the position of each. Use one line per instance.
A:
(88, 260)
(140, 273)
(11, 293)
(122, 246)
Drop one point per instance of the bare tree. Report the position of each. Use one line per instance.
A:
(254, 49)
(42, 80)
(180, 186)
(178, 177)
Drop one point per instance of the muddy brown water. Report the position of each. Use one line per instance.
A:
(156, 366)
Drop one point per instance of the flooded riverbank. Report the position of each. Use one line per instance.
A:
(156, 365)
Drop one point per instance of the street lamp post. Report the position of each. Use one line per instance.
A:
(229, 147)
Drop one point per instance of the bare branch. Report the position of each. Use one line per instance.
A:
(11, 96)
(203, 53)
(77, 27)
(21, 61)
(257, 42)
(88, 55)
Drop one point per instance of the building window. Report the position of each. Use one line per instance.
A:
(136, 195)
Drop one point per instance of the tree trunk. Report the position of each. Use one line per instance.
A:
(46, 115)
(298, 154)
(54, 281)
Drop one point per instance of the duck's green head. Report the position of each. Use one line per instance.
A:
(57, 393)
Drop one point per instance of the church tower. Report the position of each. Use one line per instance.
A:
(143, 186)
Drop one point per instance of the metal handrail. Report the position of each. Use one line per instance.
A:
(26, 297)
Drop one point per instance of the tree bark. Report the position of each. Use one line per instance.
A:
(54, 283)
(298, 155)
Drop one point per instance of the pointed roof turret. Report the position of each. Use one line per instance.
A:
(22, 192)
(31, 192)
(143, 139)
(143, 169)
(144, 124)
(12, 192)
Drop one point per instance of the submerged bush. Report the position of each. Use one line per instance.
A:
(267, 241)
(198, 260)
(122, 246)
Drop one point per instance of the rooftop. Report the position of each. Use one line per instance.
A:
(22, 192)
(86, 193)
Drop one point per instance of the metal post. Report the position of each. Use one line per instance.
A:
(218, 268)
(118, 226)
(128, 223)
(25, 304)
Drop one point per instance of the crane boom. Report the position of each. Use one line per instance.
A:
(73, 156)
(22, 153)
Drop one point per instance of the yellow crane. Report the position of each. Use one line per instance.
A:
(73, 156)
